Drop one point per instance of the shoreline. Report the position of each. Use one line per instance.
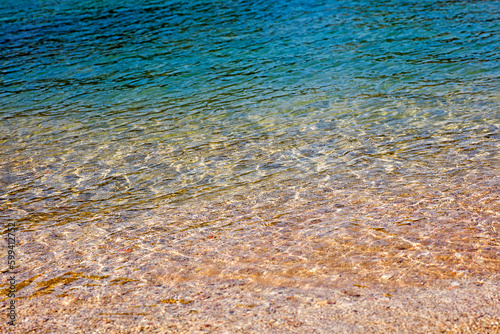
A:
(333, 261)
(241, 306)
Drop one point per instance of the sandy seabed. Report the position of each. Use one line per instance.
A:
(242, 306)
(328, 261)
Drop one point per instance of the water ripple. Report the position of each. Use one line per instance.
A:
(236, 115)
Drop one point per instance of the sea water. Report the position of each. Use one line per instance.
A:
(289, 141)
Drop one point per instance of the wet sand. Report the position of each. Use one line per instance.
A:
(243, 306)
(331, 260)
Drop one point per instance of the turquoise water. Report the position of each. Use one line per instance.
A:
(158, 118)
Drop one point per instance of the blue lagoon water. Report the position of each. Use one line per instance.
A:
(285, 141)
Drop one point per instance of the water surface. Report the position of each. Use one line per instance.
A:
(290, 142)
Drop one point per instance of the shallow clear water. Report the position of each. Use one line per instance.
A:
(289, 136)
